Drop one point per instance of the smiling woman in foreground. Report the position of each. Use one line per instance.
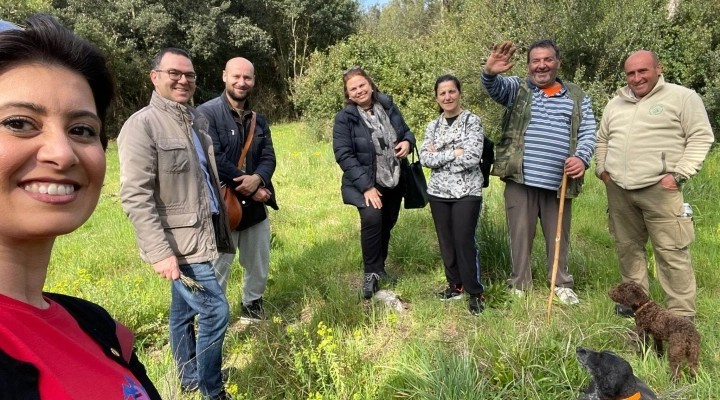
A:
(54, 92)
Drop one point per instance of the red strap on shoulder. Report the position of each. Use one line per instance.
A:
(126, 338)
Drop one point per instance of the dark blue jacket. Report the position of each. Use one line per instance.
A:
(228, 142)
(355, 152)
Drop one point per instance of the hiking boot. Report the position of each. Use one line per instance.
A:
(252, 313)
(566, 296)
(452, 292)
(624, 311)
(385, 277)
(370, 285)
(476, 304)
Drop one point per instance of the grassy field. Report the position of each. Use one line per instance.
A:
(323, 342)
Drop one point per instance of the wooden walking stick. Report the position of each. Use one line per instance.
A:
(558, 236)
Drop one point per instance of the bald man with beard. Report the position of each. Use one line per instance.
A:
(653, 137)
(231, 119)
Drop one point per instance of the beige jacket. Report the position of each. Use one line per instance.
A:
(162, 187)
(640, 141)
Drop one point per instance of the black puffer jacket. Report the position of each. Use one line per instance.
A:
(354, 150)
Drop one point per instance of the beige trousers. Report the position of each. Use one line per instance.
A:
(524, 205)
(654, 212)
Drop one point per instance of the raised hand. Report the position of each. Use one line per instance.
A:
(499, 59)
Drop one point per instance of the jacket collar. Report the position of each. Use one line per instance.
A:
(627, 94)
(176, 109)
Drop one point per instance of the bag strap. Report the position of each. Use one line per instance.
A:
(249, 139)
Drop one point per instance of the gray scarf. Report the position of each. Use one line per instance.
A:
(384, 137)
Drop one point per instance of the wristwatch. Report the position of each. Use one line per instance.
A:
(679, 179)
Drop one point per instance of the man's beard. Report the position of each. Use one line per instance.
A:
(237, 98)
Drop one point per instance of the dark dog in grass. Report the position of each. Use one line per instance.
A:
(612, 377)
(651, 319)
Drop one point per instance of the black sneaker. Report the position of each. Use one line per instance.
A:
(476, 304)
(252, 313)
(452, 292)
(385, 277)
(370, 285)
(624, 311)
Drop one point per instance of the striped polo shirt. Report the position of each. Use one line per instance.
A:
(547, 138)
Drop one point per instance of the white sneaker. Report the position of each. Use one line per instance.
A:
(516, 292)
(566, 295)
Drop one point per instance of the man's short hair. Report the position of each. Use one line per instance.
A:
(172, 50)
(544, 43)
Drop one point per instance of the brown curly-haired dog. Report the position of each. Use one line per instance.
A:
(651, 319)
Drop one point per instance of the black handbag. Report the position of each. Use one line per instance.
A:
(253, 212)
(415, 183)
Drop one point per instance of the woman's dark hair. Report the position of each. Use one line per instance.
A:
(446, 78)
(358, 71)
(44, 41)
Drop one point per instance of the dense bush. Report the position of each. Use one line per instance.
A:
(405, 55)
(400, 68)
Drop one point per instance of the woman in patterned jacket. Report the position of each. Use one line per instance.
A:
(451, 149)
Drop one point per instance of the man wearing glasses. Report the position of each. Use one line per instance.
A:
(170, 190)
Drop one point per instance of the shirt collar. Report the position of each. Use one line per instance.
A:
(535, 88)
(235, 111)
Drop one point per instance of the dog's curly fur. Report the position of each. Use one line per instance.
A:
(651, 319)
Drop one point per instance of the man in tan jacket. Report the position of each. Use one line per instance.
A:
(653, 137)
(170, 191)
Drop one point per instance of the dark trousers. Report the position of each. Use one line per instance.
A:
(375, 227)
(456, 224)
(523, 206)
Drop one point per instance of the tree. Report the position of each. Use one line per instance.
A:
(300, 27)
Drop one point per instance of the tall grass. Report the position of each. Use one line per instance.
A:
(323, 342)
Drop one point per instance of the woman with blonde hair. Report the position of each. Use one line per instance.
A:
(370, 141)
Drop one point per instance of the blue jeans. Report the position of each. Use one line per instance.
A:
(199, 360)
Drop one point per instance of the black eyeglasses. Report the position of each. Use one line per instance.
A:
(177, 75)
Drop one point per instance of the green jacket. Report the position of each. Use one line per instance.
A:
(509, 151)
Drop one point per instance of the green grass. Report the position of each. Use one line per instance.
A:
(324, 343)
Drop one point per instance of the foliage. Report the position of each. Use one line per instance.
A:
(300, 27)
(397, 67)
(276, 35)
(454, 37)
(323, 341)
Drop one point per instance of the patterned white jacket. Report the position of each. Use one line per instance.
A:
(453, 177)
